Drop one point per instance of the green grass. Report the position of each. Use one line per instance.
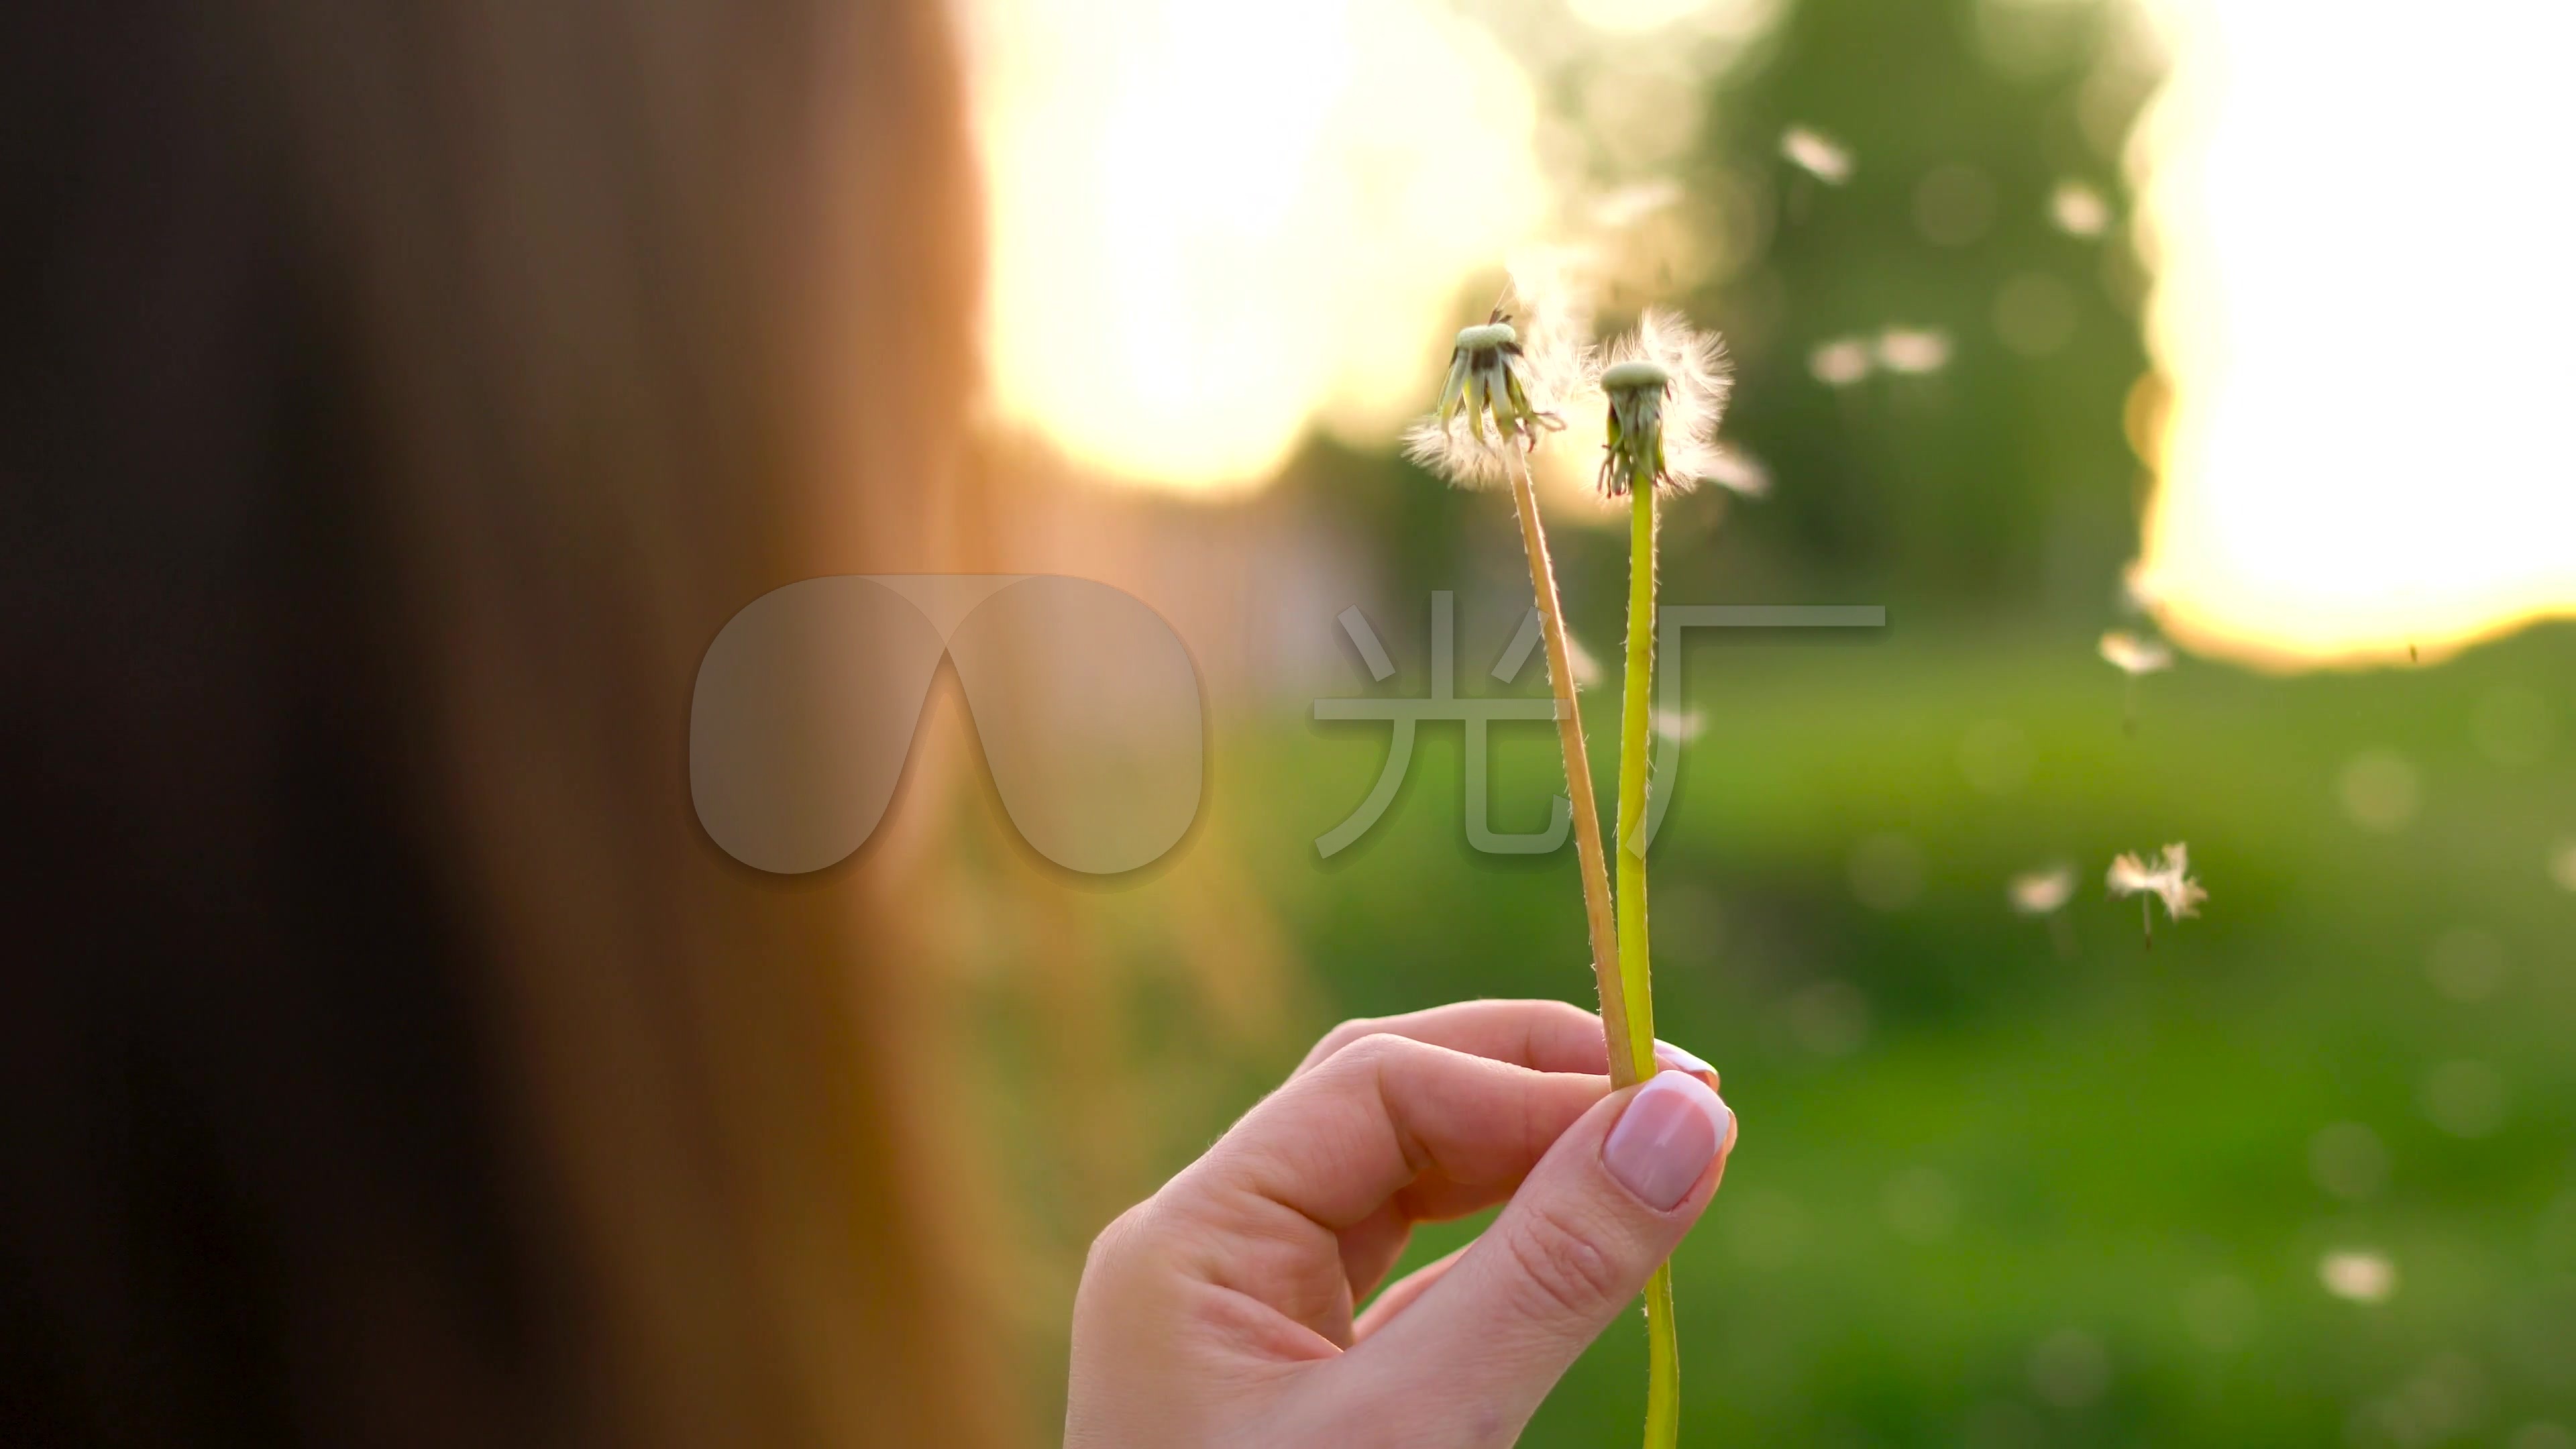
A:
(1987, 1195)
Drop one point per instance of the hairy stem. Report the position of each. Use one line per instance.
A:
(1625, 1068)
(1636, 977)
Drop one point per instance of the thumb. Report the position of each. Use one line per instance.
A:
(1470, 1361)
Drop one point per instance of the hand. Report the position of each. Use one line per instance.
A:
(1220, 1310)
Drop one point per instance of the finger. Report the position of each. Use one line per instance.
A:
(1548, 1036)
(1345, 1147)
(1337, 1142)
(1485, 1343)
(1401, 1293)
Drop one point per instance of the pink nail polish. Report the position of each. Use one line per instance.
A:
(1666, 1139)
(1674, 1057)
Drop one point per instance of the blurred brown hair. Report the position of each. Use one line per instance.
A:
(398, 396)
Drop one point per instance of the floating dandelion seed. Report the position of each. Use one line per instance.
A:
(2170, 881)
(1912, 350)
(2042, 892)
(2045, 893)
(1680, 724)
(2078, 209)
(1625, 206)
(2134, 656)
(2358, 1275)
(1738, 471)
(1819, 157)
(1666, 386)
(2140, 592)
(1841, 362)
(1579, 660)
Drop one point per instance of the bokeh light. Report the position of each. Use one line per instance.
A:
(2362, 452)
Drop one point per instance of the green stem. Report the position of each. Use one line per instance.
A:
(1593, 871)
(1636, 984)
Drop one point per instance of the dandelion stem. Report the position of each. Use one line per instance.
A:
(1636, 719)
(1636, 976)
(1625, 1067)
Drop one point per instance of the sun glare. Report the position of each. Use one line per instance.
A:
(1212, 223)
(2366, 313)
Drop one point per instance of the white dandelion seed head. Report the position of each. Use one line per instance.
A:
(2357, 1274)
(2169, 880)
(2042, 892)
(1684, 374)
(1913, 350)
(2078, 209)
(1541, 343)
(1634, 375)
(2133, 655)
(1812, 152)
(1841, 362)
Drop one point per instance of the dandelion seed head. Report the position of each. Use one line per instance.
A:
(1810, 151)
(1913, 350)
(1508, 380)
(2169, 881)
(2042, 892)
(1634, 374)
(2358, 1274)
(1841, 362)
(2133, 655)
(1665, 386)
(2078, 209)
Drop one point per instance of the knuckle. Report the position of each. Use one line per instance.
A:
(1561, 1265)
(1340, 1037)
(1371, 1051)
(1114, 1241)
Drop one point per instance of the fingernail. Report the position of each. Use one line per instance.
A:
(1679, 1060)
(1666, 1139)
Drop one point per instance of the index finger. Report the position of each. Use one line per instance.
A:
(1545, 1036)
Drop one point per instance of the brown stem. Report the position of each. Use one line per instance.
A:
(1590, 861)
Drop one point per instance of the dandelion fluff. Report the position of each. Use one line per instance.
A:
(1666, 386)
(2169, 881)
(2078, 209)
(2358, 1276)
(2042, 892)
(2133, 655)
(1810, 151)
(1913, 350)
(1509, 379)
(1678, 724)
(1841, 362)
(1738, 471)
